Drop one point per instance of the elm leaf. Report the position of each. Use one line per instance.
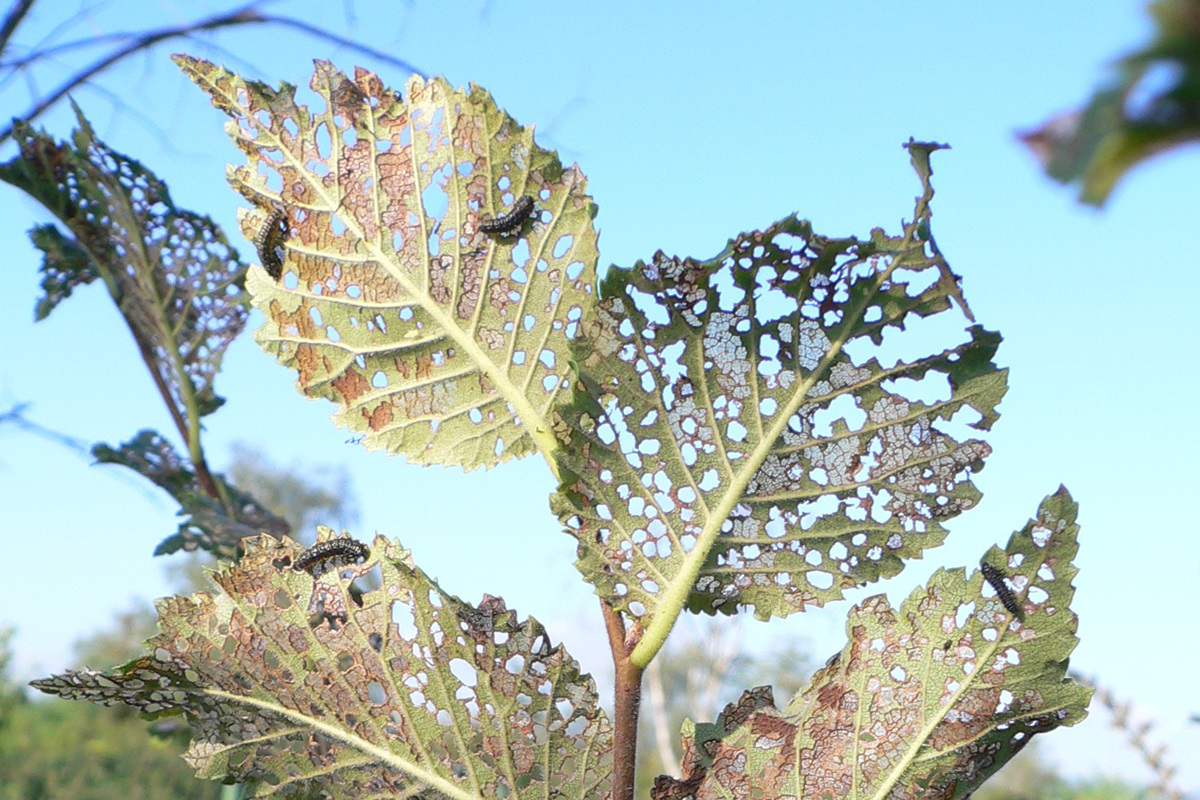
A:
(434, 338)
(924, 702)
(727, 450)
(208, 524)
(172, 274)
(1149, 104)
(305, 684)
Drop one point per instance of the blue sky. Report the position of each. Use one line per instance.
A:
(693, 121)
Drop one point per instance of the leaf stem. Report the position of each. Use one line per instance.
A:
(626, 705)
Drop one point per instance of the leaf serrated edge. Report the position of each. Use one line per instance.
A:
(537, 426)
(674, 599)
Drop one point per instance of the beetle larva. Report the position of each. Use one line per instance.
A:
(995, 577)
(331, 552)
(269, 242)
(508, 223)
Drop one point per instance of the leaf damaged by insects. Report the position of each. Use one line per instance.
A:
(435, 339)
(925, 702)
(725, 449)
(171, 272)
(208, 524)
(390, 691)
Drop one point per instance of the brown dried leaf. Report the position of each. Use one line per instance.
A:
(309, 687)
(435, 339)
(924, 703)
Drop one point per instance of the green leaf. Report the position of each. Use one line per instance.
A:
(310, 687)
(65, 265)
(925, 702)
(435, 339)
(727, 450)
(1131, 118)
(208, 525)
(172, 274)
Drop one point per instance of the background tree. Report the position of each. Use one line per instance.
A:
(703, 665)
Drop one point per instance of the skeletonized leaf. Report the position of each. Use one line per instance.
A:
(65, 265)
(727, 450)
(209, 526)
(923, 703)
(174, 277)
(311, 688)
(435, 339)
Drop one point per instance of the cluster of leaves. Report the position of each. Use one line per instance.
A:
(1130, 119)
(721, 445)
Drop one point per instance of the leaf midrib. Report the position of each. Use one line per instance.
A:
(427, 777)
(675, 597)
(535, 425)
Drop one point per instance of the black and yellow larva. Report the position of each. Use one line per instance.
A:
(507, 223)
(269, 242)
(995, 578)
(331, 552)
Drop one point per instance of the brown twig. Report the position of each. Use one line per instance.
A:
(247, 15)
(627, 702)
(1164, 772)
(292, 22)
(12, 20)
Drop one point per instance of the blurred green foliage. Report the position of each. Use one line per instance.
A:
(56, 750)
(1149, 104)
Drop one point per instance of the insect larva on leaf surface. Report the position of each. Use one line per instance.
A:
(995, 578)
(508, 223)
(269, 242)
(331, 553)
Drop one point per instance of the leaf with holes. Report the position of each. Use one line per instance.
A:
(209, 525)
(728, 449)
(924, 703)
(302, 682)
(435, 338)
(172, 274)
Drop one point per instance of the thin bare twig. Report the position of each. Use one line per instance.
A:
(51, 36)
(16, 416)
(1154, 758)
(15, 15)
(300, 25)
(247, 15)
(242, 16)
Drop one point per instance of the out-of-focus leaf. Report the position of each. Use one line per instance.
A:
(727, 450)
(435, 339)
(310, 689)
(923, 703)
(208, 526)
(172, 274)
(65, 265)
(1132, 118)
(305, 496)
